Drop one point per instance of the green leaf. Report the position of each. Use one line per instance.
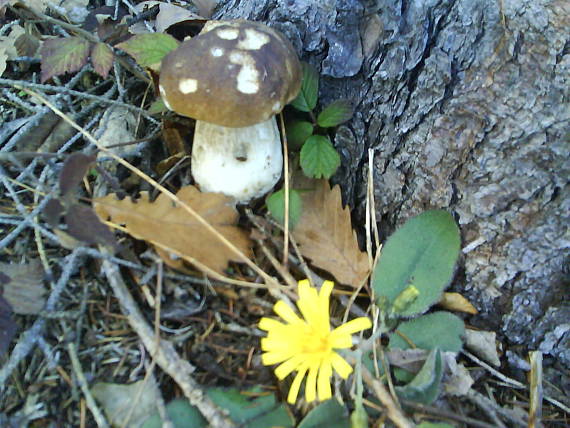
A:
(276, 205)
(298, 132)
(335, 113)
(422, 254)
(157, 107)
(359, 417)
(424, 388)
(307, 99)
(181, 413)
(149, 49)
(319, 158)
(64, 55)
(441, 330)
(243, 409)
(102, 59)
(330, 414)
(260, 412)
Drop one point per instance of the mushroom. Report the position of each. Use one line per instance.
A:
(233, 78)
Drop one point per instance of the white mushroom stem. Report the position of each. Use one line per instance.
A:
(241, 162)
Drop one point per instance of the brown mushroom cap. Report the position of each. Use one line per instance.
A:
(234, 73)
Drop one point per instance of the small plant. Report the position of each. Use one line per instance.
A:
(416, 265)
(308, 132)
(319, 159)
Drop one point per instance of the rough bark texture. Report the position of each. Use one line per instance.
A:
(466, 103)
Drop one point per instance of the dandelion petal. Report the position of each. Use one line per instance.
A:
(296, 385)
(311, 386)
(340, 365)
(284, 311)
(287, 367)
(353, 326)
(324, 381)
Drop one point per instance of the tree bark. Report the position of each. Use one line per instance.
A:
(466, 105)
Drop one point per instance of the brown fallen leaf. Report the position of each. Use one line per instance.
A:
(169, 225)
(456, 302)
(325, 236)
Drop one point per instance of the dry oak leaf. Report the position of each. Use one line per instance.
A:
(325, 236)
(164, 223)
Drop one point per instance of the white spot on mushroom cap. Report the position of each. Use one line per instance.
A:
(187, 86)
(276, 107)
(227, 33)
(248, 76)
(253, 40)
(217, 51)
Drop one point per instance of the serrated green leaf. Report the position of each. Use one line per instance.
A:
(424, 388)
(259, 412)
(335, 113)
(307, 99)
(319, 158)
(421, 253)
(441, 330)
(63, 55)
(149, 49)
(276, 206)
(297, 133)
(330, 414)
(181, 413)
(102, 59)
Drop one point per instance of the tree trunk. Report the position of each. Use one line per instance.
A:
(466, 105)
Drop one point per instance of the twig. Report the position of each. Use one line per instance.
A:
(535, 409)
(513, 383)
(493, 410)
(487, 406)
(64, 90)
(286, 193)
(91, 404)
(67, 26)
(163, 352)
(445, 414)
(393, 411)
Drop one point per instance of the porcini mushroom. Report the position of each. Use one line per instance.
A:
(233, 78)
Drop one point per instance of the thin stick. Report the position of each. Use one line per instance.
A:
(392, 409)
(90, 401)
(286, 187)
(63, 90)
(513, 383)
(535, 409)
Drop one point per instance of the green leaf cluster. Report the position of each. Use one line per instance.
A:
(308, 133)
(319, 158)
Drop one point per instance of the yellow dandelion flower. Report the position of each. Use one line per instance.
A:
(307, 344)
